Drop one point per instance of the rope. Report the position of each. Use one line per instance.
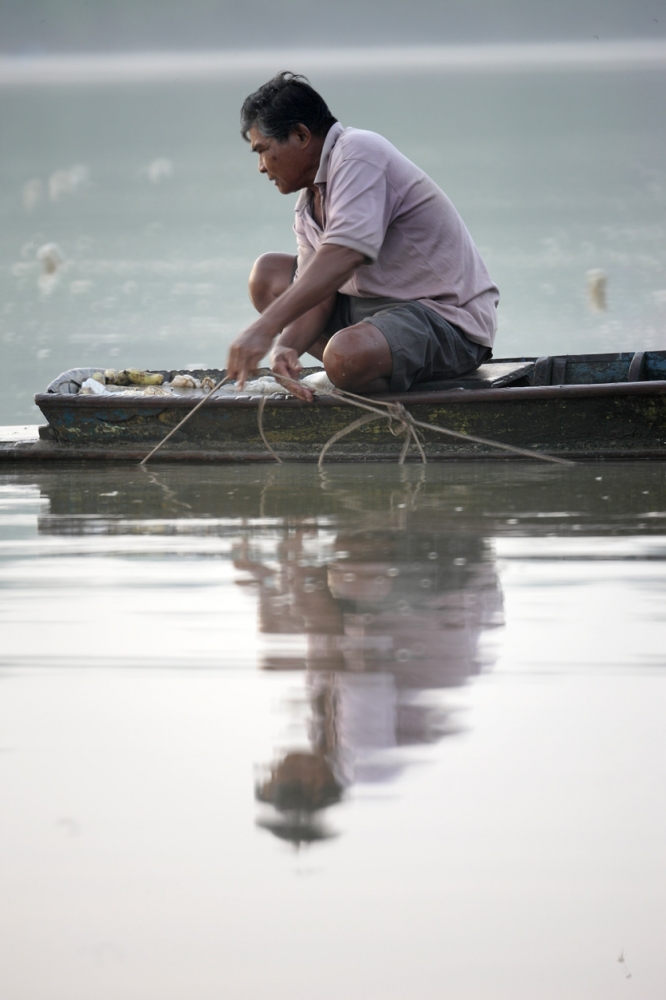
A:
(393, 412)
(405, 426)
(185, 419)
(407, 423)
(260, 422)
(345, 430)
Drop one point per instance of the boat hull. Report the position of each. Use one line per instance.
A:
(607, 420)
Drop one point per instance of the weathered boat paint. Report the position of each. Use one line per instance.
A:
(612, 406)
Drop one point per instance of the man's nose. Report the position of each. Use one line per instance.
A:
(262, 166)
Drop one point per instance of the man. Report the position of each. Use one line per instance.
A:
(388, 288)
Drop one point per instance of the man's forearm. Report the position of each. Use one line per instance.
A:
(305, 331)
(328, 270)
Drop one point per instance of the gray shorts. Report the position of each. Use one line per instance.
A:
(425, 347)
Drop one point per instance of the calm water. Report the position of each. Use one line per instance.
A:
(375, 734)
(380, 733)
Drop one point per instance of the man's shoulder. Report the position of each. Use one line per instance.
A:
(357, 143)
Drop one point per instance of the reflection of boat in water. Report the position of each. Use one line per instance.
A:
(596, 405)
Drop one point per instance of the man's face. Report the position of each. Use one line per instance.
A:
(287, 164)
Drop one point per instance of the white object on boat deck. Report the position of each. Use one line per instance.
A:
(81, 380)
(318, 381)
(93, 388)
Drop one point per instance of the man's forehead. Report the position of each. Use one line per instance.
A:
(257, 138)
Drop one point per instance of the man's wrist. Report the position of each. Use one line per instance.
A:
(263, 330)
(283, 340)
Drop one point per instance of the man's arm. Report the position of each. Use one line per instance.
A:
(328, 270)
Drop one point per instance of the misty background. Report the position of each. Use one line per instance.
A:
(131, 211)
(53, 26)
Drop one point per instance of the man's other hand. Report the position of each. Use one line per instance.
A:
(245, 354)
(285, 364)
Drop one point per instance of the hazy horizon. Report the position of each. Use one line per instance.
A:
(183, 65)
(71, 26)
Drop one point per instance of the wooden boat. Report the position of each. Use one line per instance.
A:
(610, 406)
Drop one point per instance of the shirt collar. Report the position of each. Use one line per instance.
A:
(332, 137)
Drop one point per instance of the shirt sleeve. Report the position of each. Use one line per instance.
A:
(358, 207)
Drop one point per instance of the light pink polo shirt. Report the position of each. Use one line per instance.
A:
(378, 202)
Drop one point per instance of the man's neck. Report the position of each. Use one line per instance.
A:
(316, 155)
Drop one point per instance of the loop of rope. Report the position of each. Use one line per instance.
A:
(397, 411)
(406, 426)
(346, 430)
(260, 423)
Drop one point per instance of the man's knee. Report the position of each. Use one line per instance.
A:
(357, 355)
(270, 276)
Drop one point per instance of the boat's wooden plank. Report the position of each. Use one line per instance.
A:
(42, 452)
(494, 374)
(591, 369)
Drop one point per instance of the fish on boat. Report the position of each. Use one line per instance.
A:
(610, 406)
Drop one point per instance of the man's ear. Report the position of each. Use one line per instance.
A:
(302, 134)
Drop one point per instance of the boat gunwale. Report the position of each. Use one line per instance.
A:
(410, 399)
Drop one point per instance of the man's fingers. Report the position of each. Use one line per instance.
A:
(291, 384)
(301, 392)
(284, 371)
(242, 368)
(246, 373)
(243, 362)
(286, 363)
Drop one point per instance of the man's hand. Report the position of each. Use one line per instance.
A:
(246, 352)
(285, 363)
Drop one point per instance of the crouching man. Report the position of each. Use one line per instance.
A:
(387, 288)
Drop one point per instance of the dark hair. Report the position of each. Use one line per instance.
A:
(283, 103)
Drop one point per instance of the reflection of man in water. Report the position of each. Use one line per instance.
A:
(390, 618)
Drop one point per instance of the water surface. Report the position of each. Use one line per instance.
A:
(378, 732)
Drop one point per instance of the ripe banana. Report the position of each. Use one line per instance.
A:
(137, 377)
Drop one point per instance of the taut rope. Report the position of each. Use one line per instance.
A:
(185, 419)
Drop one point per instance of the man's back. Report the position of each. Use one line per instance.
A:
(378, 202)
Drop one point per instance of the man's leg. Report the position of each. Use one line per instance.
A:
(359, 358)
(271, 275)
